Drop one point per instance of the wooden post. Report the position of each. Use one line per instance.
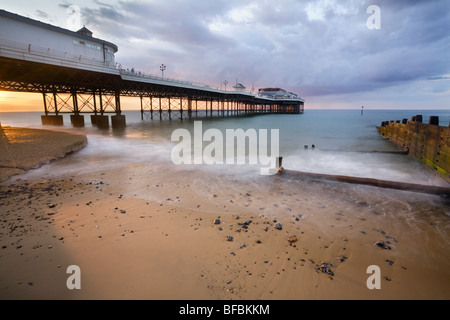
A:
(434, 120)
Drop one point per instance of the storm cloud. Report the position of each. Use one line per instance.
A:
(315, 48)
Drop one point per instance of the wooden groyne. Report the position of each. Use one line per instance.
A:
(429, 143)
(404, 186)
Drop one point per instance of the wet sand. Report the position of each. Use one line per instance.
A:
(22, 149)
(175, 248)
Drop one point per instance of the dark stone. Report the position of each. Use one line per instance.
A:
(383, 245)
(325, 268)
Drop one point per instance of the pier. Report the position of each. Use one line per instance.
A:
(77, 74)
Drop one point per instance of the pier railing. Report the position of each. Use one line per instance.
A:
(142, 75)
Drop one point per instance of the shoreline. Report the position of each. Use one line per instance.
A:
(22, 149)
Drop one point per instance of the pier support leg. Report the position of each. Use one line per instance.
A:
(77, 120)
(102, 122)
(94, 118)
(142, 108)
(118, 122)
(52, 120)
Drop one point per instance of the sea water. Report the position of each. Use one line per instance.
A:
(341, 142)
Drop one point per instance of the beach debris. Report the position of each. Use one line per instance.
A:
(383, 245)
(341, 259)
(389, 262)
(229, 238)
(51, 205)
(278, 226)
(325, 268)
(292, 239)
(217, 221)
(244, 225)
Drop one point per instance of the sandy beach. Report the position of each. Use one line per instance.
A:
(249, 243)
(275, 238)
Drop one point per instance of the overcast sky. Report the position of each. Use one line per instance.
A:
(323, 50)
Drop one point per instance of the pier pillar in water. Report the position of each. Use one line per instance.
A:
(118, 121)
(419, 118)
(102, 122)
(55, 120)
(94, 118)
(405, 121)
(77, 120)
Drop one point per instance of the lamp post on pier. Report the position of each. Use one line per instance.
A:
(225, 83)
(162, 68)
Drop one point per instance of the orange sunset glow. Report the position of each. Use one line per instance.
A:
(32, 102)
(20, 102)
